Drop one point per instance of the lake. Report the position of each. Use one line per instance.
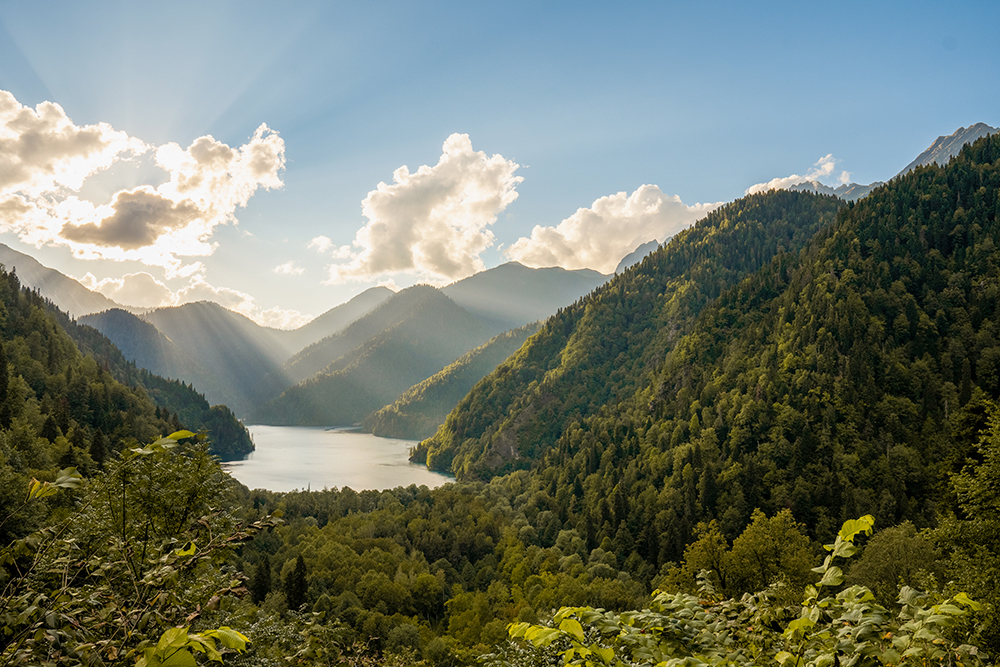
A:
(301, 457)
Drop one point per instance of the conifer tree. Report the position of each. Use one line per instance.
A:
(295, 585)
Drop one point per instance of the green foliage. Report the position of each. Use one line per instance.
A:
(828, 628)
(769, 551)
(142, 556)
(971, 538)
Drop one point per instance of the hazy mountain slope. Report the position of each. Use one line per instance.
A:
(423, 407)
(332, 320)
(512, 295)
(945, 148)
(238, 353)
(598, 350)
(229, 438)
(141, 342)
(67, 294)
(420, 331)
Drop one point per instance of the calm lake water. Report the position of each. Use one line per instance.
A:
(300, 457)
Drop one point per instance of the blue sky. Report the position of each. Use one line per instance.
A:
(701, 100)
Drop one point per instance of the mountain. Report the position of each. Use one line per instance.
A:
(229, 439)
(945, 148)
(406, 339)
(332, 320)
(598, 350)
(847, 192)
(423, 407)
(234, 351)
(637, 255)
(512, 295)
(142, 343)
(849, 378)
(67, 294)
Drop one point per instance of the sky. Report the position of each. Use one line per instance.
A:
(280, 158)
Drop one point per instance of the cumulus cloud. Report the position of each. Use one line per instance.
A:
(45, 159)
(139, 290)
(42, 150)
(142, 290)
(433, 222)
(321, 243)
(599, 236)
(139, 218)
(289, 269)
(822, 169)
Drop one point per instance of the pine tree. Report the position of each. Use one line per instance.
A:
(295, 585)
(260, 585)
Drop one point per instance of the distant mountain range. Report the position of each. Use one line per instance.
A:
(411, 336)
(939, 152)
(422, 408)
(511, 295)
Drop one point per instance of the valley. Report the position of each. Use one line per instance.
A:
(796, 369)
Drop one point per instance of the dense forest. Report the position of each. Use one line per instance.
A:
(794, 458)
(598, 350)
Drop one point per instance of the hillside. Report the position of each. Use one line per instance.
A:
(422, 408)
(512, 295)
(412, 335)
(851, 379)
(237, 353)
(67, 294)
(134, 352)
(58, 408)
(141, 342)
(596, 351)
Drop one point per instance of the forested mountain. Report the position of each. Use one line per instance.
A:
(423, 407)
(596, 351)
(237, 353)
(333, 320)
(67, 294)
(846, 378)
(230, 439)
(408, 338)
(512, 295)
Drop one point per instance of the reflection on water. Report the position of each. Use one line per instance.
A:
(301, 457)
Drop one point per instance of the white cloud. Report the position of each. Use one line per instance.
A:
(45, 160)
(599, 236)
(433, 222)
(41, 150)
(289, 269)
(321, 243)
(141, 290)
(822, 169)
